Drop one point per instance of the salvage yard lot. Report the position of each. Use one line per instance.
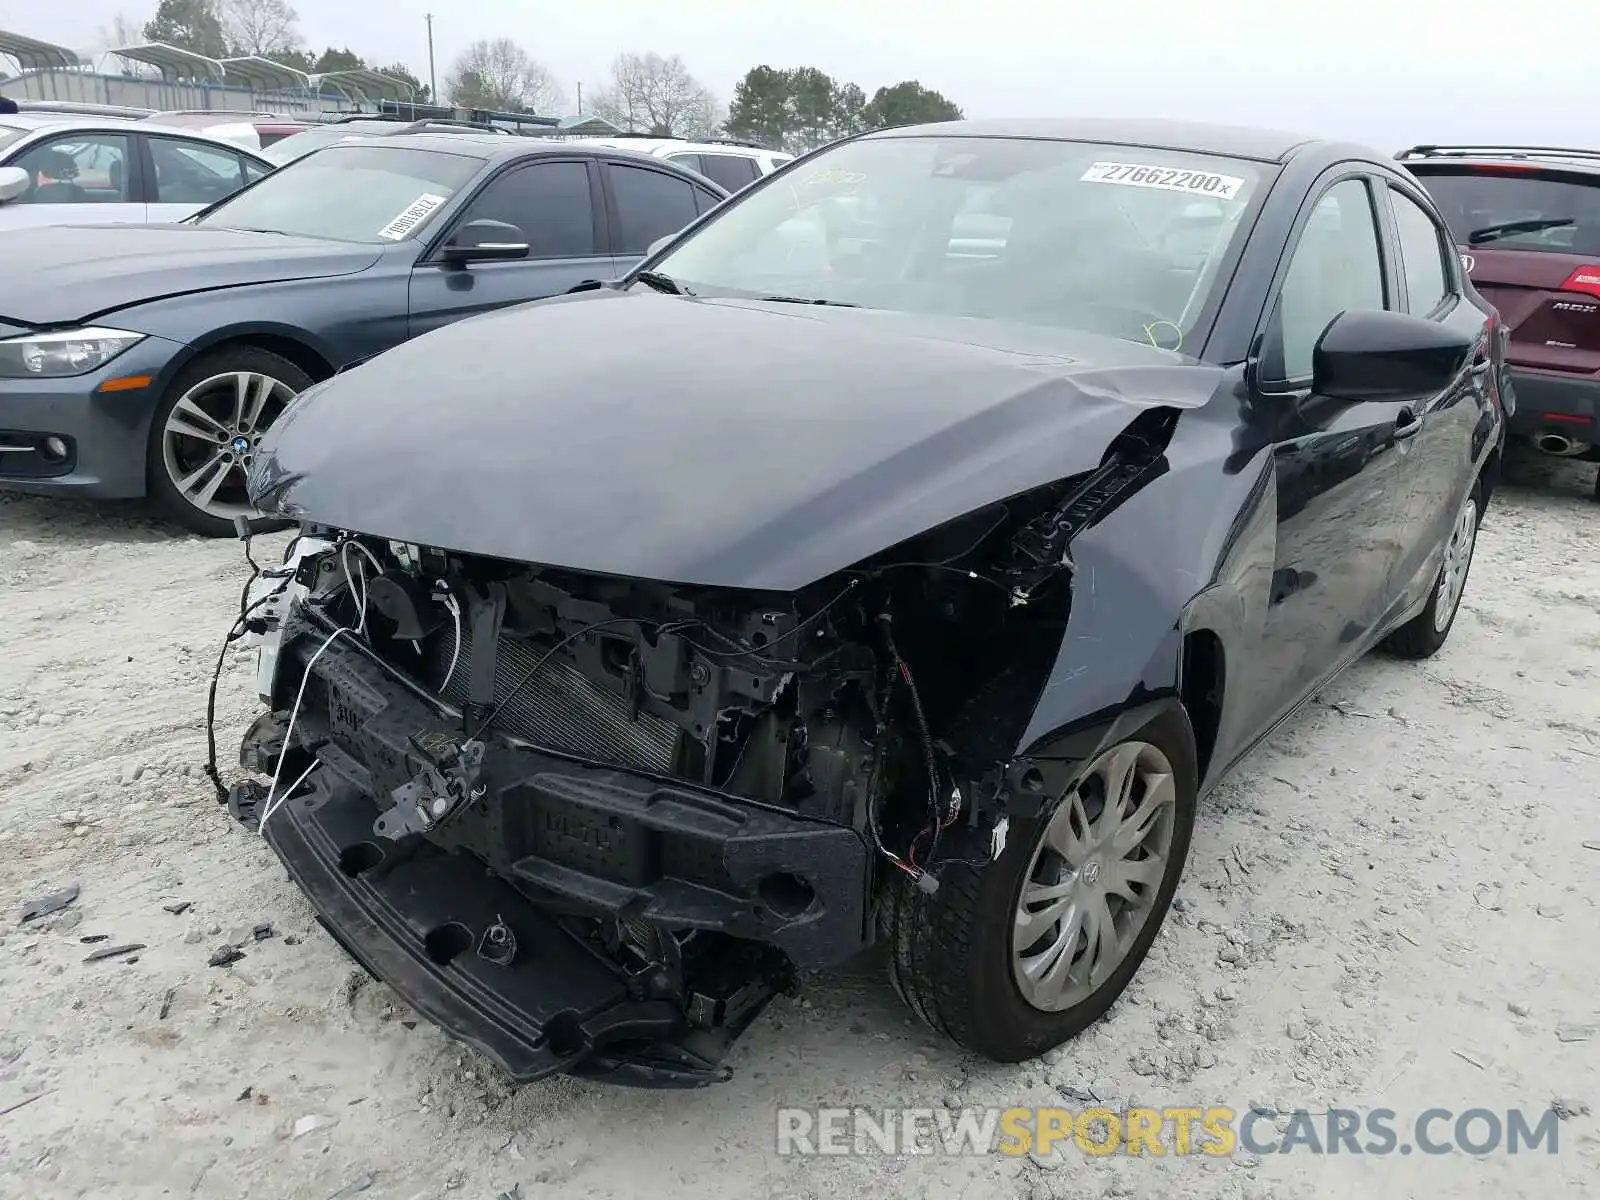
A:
(1391, 902)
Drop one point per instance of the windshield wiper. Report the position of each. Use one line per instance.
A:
(662, 283)
(1491, 232)
(808, 300)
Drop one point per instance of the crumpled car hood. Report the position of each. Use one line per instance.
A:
(713, 442)
(59, 274)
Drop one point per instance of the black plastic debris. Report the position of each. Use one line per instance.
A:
(290, 940)
(114, 951)
(245, 1095)
(166, 1004)
(178, 909)
(45, 905)
(90, 939)
(224, 956)
(261, 932)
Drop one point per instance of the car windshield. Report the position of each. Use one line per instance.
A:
(10, 133)
(1110, 239)
(350, 193)
(1521, 211)
(297, 145)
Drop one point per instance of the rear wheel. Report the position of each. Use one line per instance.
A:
(1018, 955)
(1424, 634)
(206, 432)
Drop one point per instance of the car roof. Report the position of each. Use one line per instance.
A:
(1232, 141)
(651, 145)
(55, 124)
(499, 148)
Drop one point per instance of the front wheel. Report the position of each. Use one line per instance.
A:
(1016, 956)
(1424, 634)
(207, 430)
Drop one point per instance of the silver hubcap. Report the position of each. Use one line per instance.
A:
(211, 437)
(1457, 558)
(1094, 877)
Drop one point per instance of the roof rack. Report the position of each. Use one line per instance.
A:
(1524, 152)
(735, 142)
(360, 116)
(73, 108)
(427, 123)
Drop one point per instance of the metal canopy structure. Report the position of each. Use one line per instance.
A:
(176, 65)
(362, 85)
(33, 55)
(263, 75)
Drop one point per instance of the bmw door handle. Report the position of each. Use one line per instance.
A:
(1406, 425)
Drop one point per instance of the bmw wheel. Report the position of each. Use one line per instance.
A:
(206, 431)
(1013, 957)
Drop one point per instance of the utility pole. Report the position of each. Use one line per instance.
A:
(433, 86)
(580, 99)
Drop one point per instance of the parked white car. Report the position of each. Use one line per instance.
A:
(729, 164)
(57, 169)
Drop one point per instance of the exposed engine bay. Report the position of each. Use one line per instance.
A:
(676, 795)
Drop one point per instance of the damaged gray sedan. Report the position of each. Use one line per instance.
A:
(895, 558)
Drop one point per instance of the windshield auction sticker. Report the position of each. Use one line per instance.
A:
(415, 213)
(1169, 179)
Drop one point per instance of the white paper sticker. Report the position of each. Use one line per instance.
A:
(415, 213)
(1169, 179)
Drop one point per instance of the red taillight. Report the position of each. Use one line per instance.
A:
(1585, 280)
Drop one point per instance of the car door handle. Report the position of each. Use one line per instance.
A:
(1406, 424)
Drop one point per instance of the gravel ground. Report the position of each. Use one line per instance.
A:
(1391, 902)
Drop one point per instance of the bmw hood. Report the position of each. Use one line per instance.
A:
(62, 274)
(703, 441)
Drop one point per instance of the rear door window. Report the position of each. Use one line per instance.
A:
(193, 172)
(649, 205)
(1423, 251)
(1518, 209)
(731, 171)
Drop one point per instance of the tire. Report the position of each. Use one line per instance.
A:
(1423, 635)
(206, 417)
(951, 954)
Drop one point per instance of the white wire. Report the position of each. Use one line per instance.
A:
(269, 807)
(455, 614)
(344, 561)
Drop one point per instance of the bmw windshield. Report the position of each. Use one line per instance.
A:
(350, 193)
(1112, 239)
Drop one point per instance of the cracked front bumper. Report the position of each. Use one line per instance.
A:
(548, 835)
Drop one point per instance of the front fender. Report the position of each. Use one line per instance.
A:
(1187, 551)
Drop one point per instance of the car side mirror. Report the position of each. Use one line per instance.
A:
(659, 245)
(486, 241)
(14, 181)
(1368, 355)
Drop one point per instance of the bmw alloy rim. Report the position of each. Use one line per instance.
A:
(211, 436)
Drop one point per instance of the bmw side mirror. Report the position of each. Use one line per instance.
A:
(14, 181)
(1368, 355)
(486, 241)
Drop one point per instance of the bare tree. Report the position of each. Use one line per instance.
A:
(260, 27)
(121, 30)
(500, 75)
(651, 94)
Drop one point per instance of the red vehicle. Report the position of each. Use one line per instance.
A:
(1527, 220)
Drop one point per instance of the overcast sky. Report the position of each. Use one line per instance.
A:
(1384, 71)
